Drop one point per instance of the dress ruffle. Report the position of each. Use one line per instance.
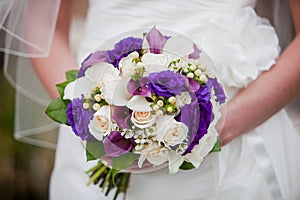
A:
(230, 38)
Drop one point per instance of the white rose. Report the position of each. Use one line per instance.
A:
(101, 124)
(182, 99)
(156, 154)
(142, 119)
(155, 62)
(175, 133)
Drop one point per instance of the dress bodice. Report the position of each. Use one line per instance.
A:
(239, 42)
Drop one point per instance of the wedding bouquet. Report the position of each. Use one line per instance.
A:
(149, 101)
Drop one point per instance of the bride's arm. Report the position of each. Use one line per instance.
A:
(265, 96)
(51, 69)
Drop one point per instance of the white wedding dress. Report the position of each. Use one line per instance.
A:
(261, 164)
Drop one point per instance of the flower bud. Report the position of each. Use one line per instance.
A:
(169, 109)
(159, 113)
(97, 97)
(160, 103)
(203, 78)
(172, 100)
(198, 72)
(193, 67)
(190, 75)
(86, 105)
(96, 106)
(134, 55)
(155, 107)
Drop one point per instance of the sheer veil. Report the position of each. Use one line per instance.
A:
(27, 27)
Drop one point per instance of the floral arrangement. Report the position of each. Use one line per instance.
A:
(141, 105)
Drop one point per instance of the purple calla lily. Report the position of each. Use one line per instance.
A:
(156, 40)
(139, 87)
(115, 144)
(99, 56)
(196, 53)
(121, 116)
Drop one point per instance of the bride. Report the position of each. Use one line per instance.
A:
(258, 159)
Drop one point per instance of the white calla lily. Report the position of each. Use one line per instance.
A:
(139, 103)
(101, 72)
(116, 93)
(78, 87)
(175, 161)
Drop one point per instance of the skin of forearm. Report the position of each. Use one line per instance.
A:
(51, 70)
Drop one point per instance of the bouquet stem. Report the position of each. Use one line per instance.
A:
(109, 179)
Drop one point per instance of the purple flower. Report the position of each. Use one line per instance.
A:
(121, 116)
(79, 119)
(197, 117)
(122, 49)
(217, 87)
(115, 144)
(139, 87)
(166, 83)
(156, 40)
(195, 54)
(99, 56)
(203, 94)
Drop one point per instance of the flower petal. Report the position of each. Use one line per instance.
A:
(139, 104)
(101, 71)
(115, 92)
(156, 40)
(99, 56)
(175, 161)
(115, 144)
(78, 87)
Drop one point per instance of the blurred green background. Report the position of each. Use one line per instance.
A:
(24, 169)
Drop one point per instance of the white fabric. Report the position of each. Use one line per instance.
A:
(27, 28)
(261, 164)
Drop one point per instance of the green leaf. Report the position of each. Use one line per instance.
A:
(71, 75)
(217, 146)
(56, 110)
(124, 161)
(61, 88)
(94, 150)
(186, 166)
